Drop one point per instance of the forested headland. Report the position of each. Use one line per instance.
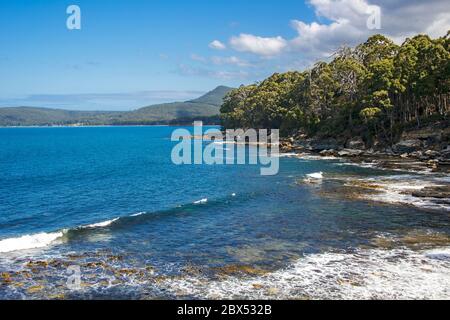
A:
(374, 91)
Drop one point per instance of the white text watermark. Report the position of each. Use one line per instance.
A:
(73, 22)
(229, 148)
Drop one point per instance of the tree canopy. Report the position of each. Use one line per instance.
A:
(373, 90)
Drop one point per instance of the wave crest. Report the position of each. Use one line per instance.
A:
(32, 241)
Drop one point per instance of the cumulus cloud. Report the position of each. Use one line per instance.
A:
(217, 45)
(258, 45)
(347, 23)
(405, 18)
(337, 23)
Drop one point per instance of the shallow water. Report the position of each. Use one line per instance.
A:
(110, 201)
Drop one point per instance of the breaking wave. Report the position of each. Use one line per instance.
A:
(33, 241)
(41, 240)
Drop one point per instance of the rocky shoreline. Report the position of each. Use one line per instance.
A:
(429, 145)
(418, 152)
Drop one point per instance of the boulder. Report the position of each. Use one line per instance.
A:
(286, 146)
(416, 154)
(431, 154)
(408, 146)
(356, 143)
(404, 155)
(433, 164)
(302, 143)
(431, 135)
(445, 153)
(350, 153)
(433, 192)
(319, 145)
(329, 153)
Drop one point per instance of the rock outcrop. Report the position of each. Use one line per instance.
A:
(408, 146)
(355, 143)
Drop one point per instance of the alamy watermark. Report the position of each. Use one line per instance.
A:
(374, 20)
(74, 279)
(235, 147)
(73, 22)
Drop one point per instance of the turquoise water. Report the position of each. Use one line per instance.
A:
(110, 200)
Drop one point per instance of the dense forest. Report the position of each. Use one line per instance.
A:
(374, 90)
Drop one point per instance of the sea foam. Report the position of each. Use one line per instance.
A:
(25, 242)
(364, 275)
(101, 224)
(202, 201)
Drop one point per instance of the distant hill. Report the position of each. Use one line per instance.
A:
(214, 97)
(30, 116)
(207, 105)
(205, 108)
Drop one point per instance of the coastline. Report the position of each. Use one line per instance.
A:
(380, 265)
(421, 182)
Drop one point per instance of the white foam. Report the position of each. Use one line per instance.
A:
(365, 274)
(356, 164)
(138, 214)
(202, 201)
(284, 155)
(316, 175)
(101, 224)
(397, 189)
(33, 241)
(308, 156)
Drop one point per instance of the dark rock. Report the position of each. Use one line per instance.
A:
(303, 143)
(325, 144)
(430, 135)
(432, 154)
(407, 146)
(433, 192)
(445, 153)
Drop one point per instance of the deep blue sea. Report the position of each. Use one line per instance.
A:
(110, 201)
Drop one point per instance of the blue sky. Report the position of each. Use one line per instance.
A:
(134, 53)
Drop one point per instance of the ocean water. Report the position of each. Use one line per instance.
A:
(109, 201)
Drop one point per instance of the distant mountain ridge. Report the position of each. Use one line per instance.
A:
(214, 97)
(206, 107)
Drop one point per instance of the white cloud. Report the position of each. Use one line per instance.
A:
(186, 70)
(399, 19)
(337, 23)
(258, 45)
(233, 60)
(196, 57)
(441, 23)
(217, 45)
(219, 61)
(347, 24)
